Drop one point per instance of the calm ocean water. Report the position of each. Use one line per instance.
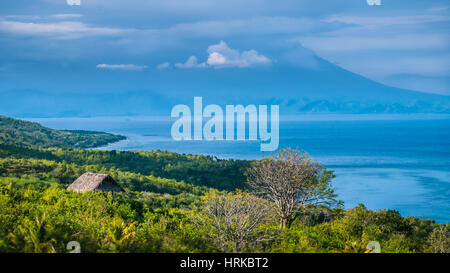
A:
(397, 162)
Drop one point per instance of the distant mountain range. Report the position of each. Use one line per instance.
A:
(321, 88)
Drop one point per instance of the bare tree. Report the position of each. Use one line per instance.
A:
(291, 179)
(236, 220)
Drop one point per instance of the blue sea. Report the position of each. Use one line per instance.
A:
(399, 162)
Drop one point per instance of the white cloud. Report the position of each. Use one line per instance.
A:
(68, 26)
(347, 41)
(377, 33)
(46, 17)
(380, 32)
(66, 16)
(23, 17)
(122, 66)
(381, 21)
(191, 63)
(61, 30)
(73, 2)
(217, 29)
(220, 55)
(215, 58)
(260, 25)
(163, 65)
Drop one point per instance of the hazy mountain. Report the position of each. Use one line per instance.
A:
(317, 87)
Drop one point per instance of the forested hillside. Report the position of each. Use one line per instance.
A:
(67, 164)
(14, 131)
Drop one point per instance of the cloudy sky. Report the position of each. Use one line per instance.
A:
(71, 44)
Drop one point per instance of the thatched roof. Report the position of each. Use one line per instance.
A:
(95, 182)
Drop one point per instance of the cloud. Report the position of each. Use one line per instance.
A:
(23, 17)
(335, 42)
(220, 55)
(61, 30)
(68, 26)
(163, 65)
(61, 16)
(205, 8)
(382, 21)
(260, 25)
(73, 2)
(191, 63)
(122, 67)
(380, 33)
(65, 16)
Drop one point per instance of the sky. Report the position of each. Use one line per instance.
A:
(88, 45)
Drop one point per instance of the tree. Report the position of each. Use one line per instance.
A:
(291, 179)
(119, 235)
(236, 220)
(440, 239)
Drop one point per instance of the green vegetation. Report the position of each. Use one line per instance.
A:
(45, 221)
(189, 203)
(189, 169)
(14, 131)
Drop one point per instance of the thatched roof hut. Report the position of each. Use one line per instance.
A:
(95, 182)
